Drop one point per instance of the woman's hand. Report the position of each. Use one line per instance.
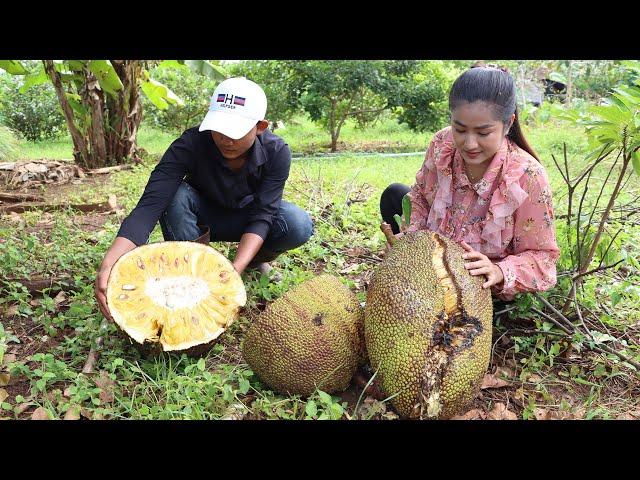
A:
(482, 266)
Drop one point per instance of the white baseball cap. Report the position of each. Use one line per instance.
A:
(236, 106)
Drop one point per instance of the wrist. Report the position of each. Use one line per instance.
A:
(499, 285)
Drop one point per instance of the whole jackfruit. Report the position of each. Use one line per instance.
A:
(174, 296)
(428, 327)
(311, 337)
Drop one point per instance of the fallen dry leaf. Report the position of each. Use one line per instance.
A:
(53, 396)
(475, 414)
(541, 414)
(73, 413)
(104, 382)
(3, 395)
(21, 408)
(533, 378)
(490, 381)
(12, 311)
(4, 379)
(500, 412)
(86, 413)
(8, 358)
(60, 298)
(40, 413)
(67, 391)
(519, 395)
(579, 413)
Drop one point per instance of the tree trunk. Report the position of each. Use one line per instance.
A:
(93, 97)
(569, 82)
(80, 144)
(109, 135)
(332, 125)
(127, 111)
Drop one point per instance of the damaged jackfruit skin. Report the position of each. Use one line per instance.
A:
(427, 327)
(311, 337)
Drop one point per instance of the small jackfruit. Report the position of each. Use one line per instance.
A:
(311, 337)
(178, 295)
(428, 327)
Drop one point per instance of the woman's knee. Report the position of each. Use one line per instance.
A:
(394, 193)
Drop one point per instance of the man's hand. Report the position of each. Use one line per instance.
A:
(119, 247)
(100, 290)
(482, 266)
(249, 245)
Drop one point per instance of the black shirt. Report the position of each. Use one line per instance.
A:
(195, 158)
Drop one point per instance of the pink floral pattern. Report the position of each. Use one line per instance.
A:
(507, 215)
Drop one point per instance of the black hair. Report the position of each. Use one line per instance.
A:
(494, 86)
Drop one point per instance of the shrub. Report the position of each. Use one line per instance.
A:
(194, 90)
(35, 114)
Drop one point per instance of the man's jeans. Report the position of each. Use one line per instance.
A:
(291, 227)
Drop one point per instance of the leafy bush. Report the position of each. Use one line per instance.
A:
(194, 90)
(423, 105)
(279, 83)
(35, 114)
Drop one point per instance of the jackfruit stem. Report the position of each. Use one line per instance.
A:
(386, 229)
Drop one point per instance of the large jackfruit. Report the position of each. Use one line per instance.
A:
(428, 327)
(179, 296)
(311, 337)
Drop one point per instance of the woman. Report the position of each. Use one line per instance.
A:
(481, 184)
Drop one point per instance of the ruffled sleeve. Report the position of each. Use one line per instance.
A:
(419, 206)
(532, 264)
(430, 184)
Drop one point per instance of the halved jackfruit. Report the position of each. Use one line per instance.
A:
(180, 294)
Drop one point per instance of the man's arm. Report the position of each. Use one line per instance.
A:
(265, 208)
(249, 245)
(136, 228)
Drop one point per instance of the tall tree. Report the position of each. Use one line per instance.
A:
(100, 100)
(333, 91)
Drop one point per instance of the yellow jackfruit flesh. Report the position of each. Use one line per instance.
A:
(428, 327)
(311, 337)
(180, 294)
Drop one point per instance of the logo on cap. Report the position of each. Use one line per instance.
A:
(228, 101)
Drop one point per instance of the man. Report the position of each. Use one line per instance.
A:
(224, 179)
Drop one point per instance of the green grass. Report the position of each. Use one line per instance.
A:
(302, 135)
(342, 193)
(305, 136)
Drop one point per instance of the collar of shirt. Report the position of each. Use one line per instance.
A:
(255, 158)
(482, 186)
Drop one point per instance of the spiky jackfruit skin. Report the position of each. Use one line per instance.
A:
(427, 327)
(311, 337)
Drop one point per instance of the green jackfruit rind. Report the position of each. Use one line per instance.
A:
(395, 335)
(399, 328)
(464, 374)
(309, 338)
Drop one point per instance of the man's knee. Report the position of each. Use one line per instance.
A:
(183, 198)
(299, 225)
(178, 221)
